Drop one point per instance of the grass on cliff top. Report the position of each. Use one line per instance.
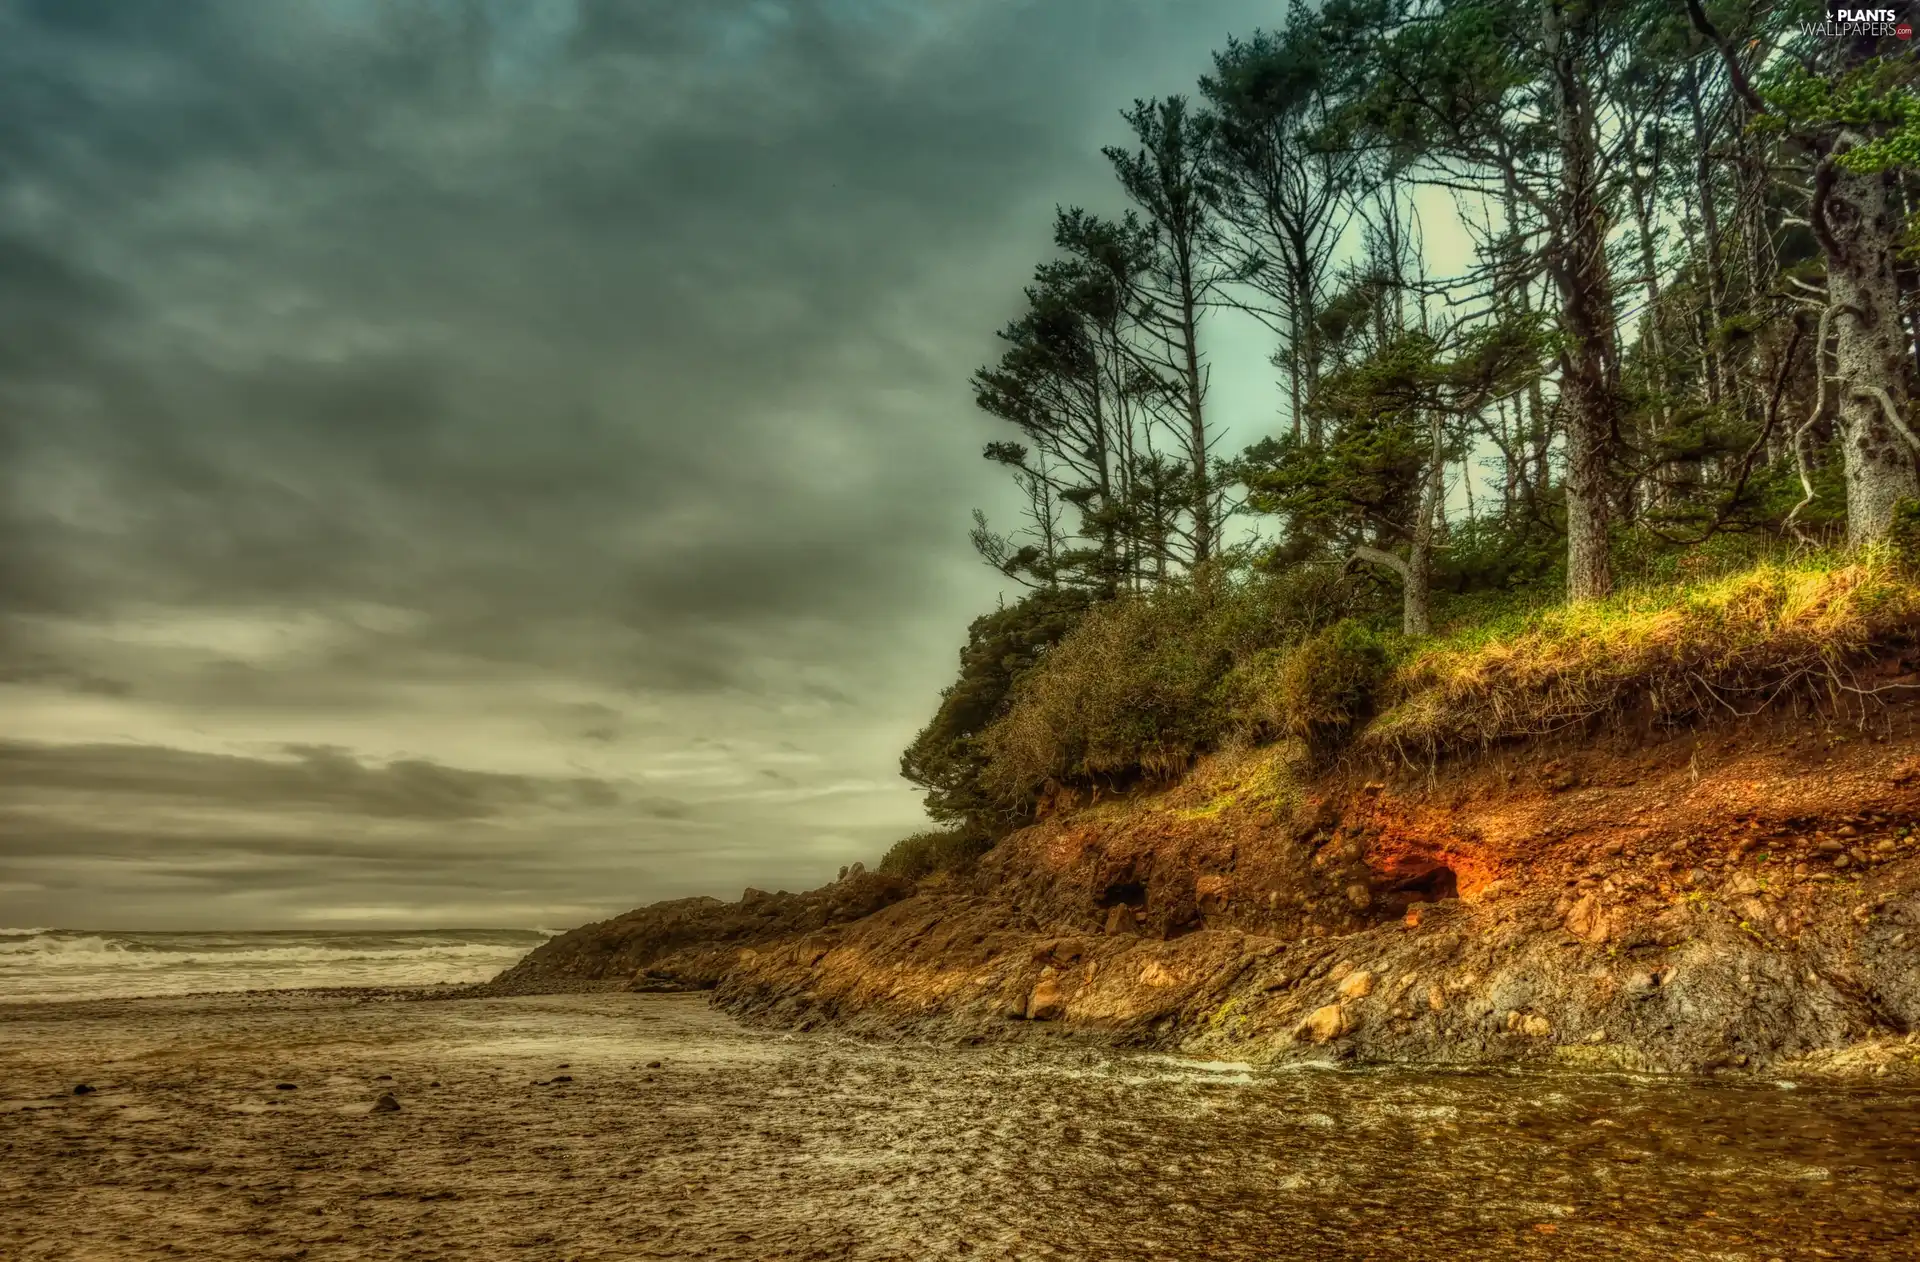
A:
(1673, 652)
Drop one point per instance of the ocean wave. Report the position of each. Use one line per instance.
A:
(70, 964)
(88, 953)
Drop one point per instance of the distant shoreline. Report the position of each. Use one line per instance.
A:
(387, 994)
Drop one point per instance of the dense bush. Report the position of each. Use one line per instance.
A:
(1145, 683)
(921, 855)
(1329, 682)
(946, 758)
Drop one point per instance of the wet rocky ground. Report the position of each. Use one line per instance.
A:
(614, 1125)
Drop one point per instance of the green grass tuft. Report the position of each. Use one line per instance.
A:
(1721, 645)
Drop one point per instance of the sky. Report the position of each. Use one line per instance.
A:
(501, 463)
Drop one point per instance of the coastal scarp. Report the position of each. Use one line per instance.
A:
(1745, 896)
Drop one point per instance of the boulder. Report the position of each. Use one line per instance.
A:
(1048, 1002)
(1357, 985)
(1588, 919)
(1325, 1024)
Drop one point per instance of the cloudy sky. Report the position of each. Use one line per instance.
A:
(497, 463)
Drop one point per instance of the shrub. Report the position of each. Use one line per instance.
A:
(921, 855)
(946, 758)
(1127, 694)
(1146, 683)
(1328, 683)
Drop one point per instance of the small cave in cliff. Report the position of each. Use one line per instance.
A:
(1428, 883)
(1125, 903)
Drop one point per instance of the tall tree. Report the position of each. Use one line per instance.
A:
(1287, 183)
(1852, 103)
(1169, 176)
(1577, 260)
(1397, 417)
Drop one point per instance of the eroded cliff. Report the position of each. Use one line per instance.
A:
(1738, 895)
(1746, 895)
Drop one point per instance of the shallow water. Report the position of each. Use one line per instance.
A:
(57, 965)
(752, 1144)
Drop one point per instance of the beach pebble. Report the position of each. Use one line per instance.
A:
(285, 1086)
(386, 1104)
(653, 1064)
(83, 1089)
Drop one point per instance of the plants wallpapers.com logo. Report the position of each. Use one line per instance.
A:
(1852, 23)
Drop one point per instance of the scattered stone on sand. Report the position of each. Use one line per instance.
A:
(83, 1089)
(386, 1104)
(653, 1064)
(286, 1086)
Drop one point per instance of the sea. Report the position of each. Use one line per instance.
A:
(52, 965)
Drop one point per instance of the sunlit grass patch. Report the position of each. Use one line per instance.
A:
(1670, 652)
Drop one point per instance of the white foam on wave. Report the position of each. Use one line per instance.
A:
(54, 964)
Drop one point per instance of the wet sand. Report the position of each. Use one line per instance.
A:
(535, 1128)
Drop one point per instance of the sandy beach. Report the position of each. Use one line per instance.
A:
(542, 1127)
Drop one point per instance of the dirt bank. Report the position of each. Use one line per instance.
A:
(1745, 896)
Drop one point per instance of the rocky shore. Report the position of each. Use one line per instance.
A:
(1743, 897)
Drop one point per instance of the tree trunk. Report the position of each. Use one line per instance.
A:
(1709, 229)
(1416, 568)
(1579, 267)
(1109, 542)
(1877, 447)
(1684, 473)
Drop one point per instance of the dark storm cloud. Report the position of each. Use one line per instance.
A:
(596, 362)
(627, 312)
(311, 778)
